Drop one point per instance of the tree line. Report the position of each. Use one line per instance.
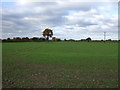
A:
(47, 34)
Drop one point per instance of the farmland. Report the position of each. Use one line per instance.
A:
(60, 65)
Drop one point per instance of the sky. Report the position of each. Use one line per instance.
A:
(68, 19)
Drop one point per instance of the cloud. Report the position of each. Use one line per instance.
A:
(67, 19)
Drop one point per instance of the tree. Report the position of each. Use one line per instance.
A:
(35, 38)
(88, 39)
(109, 40)
(47, 33)
(42, 39)
(53, 38)
(25, 39)
(65, 40)
(8, 39)
(56, 39)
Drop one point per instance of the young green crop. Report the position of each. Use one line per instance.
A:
(60, 64)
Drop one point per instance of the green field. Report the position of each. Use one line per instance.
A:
(60, 65)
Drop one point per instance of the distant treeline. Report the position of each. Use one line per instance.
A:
(37, 39)
(26, 39)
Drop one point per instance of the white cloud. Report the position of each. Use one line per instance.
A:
(68, 20)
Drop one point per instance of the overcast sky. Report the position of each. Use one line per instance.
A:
(75, 20)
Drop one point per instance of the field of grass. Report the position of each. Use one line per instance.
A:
(60, 65)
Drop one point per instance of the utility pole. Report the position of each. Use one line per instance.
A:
(104, 36)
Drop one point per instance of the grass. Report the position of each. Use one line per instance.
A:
(60, 65)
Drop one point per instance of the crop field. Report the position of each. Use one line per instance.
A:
(60, 65)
